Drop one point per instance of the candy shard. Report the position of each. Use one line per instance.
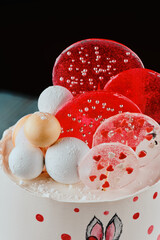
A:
(135, 132)
(82, 68)
(140, 85)
(109, 173)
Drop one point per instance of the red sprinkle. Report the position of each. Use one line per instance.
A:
(99, 167)
(129, 170)
(39, 218)
(110, 168)
(122, 155)
(97, 158)
(149, 129)
(141, 122)
(102, 176)
(92, 178)
(142, 154)
(149, 137)
(136, 215)
(106, 184)
(104, 133)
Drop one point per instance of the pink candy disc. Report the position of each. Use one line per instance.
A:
(83, 114)
(108, 166)
(136, 130)
(88, 65)
(142, 86)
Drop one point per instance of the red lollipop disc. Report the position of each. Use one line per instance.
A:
(81, 116)
(88, 65)
(142, 86)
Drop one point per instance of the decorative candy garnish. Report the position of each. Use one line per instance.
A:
(136, 130)
(142, 86)
(89, 64)
(80, 117)
(18, 136)
(62, 159)
(114, 172)
(53, 98)
(42, 129)
(26, 161)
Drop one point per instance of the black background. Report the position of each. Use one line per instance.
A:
(33, 34)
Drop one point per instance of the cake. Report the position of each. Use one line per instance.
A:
(86, 166)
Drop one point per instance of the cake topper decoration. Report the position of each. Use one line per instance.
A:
(81, 116)
(53, 98)
(108, 165)
(42, 129)
(136, 130)
(140, 85)
(88, 64)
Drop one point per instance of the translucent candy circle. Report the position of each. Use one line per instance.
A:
(109, 166)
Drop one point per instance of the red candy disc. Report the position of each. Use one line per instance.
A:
(142, 86)
(89, 64)
(83, 114)
(111, 170)
(136, 130)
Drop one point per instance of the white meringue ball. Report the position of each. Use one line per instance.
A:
(53, 98)
(20, 138)
(26, 162)
(62, 159)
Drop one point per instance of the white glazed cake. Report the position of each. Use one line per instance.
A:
(83, 167)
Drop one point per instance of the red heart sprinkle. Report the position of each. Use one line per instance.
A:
(99, 167)
(122, 155)
(129, 170)
(102, 176)
(97, 158)
(149, 137)
(142, 154)
(110, 168)
(106, 185)
(149, 129)
(92, 178)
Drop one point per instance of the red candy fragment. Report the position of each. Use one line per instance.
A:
(114, 173)
(88, 65)
(83, 114)
(138, 131)
(142, 86)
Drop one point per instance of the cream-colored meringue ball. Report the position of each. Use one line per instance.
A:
(62, 159)
(53, 98)
(42, 129)
(26, 162)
